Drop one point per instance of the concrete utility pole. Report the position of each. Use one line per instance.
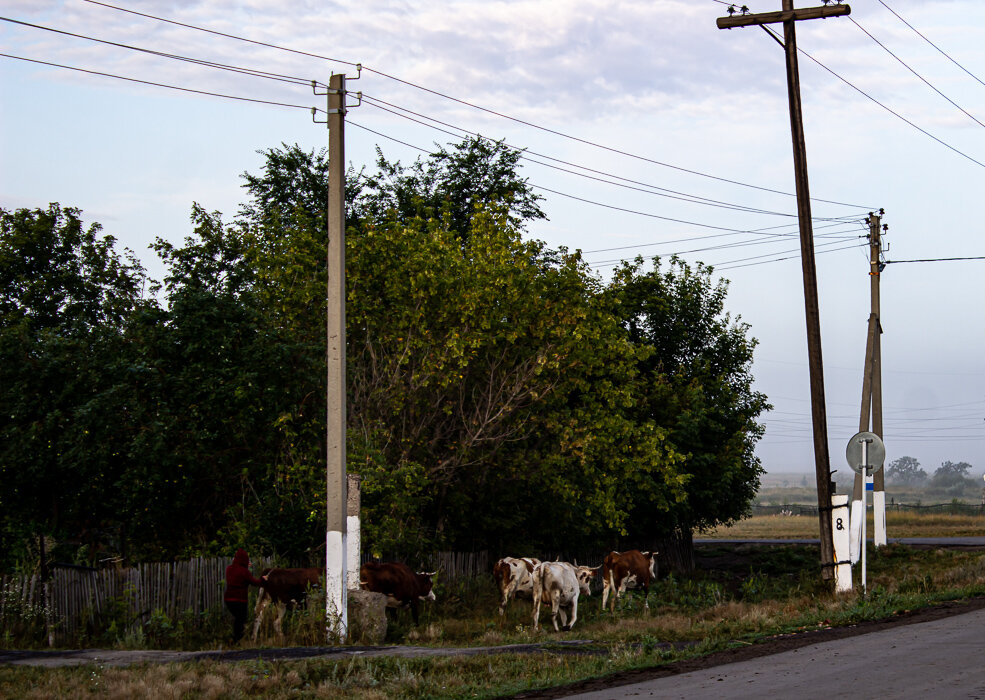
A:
(336, 493)
(789, 17)
(871, 399)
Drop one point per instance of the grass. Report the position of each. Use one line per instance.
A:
(743, 594)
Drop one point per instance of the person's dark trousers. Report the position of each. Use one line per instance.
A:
(238, 609)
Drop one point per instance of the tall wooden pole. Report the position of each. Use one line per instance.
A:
(871, 409)
(336, 496)
(822, 463)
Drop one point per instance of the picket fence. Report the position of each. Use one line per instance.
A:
(77, 596)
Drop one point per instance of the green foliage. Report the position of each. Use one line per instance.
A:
(499, 395)
(696, 384)
(450, 187)
(66, 297)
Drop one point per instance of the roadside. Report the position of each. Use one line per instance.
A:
(741, 652)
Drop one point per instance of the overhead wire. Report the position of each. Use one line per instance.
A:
(909, 68)
(164, 85)
(725, 246)
(728, 231)
(477, 107)
(400, 111)
(942, 51)
(887, 108)
(218, 33)
(197, 61)
(585, 200)
(896, 262)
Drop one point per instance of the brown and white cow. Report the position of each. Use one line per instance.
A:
(514, 576)
(398, 583)
(282, 587)
(560, 583)
(624, 570)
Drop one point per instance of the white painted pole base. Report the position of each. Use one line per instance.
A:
(841, 529)
(858, 512)
(336, 600)
(879, 518)
(352, 552)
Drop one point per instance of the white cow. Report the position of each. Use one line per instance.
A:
(514, 576)
(559, 583)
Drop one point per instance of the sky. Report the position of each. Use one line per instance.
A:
(675, 138)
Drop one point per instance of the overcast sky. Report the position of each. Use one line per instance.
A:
(696, 111)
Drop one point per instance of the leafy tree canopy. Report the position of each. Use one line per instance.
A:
(906, 471)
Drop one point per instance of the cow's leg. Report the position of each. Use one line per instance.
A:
(646, 597)
(555, 607)
(281, 609)
(574, 613)
(263, 600)
(413, 611)
(538, 593)
(613, 591)
(606, 587)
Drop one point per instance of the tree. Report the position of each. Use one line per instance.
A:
(449, 186)
(65, 297)
(696, 383)
(951, 477)
(906, 471)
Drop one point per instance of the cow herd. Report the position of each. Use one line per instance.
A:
(559, 584)
(554, 583)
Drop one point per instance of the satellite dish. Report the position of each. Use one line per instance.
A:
(876, 452)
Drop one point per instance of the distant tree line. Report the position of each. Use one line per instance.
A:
(501, 396)
(951, 478)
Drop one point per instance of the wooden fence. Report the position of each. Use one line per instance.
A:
(78, 595)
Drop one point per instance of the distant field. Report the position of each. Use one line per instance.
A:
(806, 527)
(801, 489)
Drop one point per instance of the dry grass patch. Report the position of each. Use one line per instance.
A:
(898, 524)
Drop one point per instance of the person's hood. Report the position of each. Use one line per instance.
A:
(241, 557)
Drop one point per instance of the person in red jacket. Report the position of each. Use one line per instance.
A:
(238, 580)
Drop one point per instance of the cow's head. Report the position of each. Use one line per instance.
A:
(585, 575)
(651, 559)
(425, 586)
(502, 572)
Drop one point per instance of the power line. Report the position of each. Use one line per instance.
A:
(727, 231)
(981, 257)
(944, 53)
(197, 61)
(526, 153)
(905, 65)
(223, 34)
(724, 246)
(732, 264)
(894, 113)
(571, 196)
(148, 82)
(475, 106)
(796, 256)
(715, 235)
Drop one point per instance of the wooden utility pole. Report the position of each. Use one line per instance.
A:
(336, 495)
(822, 463)
(872, 396)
